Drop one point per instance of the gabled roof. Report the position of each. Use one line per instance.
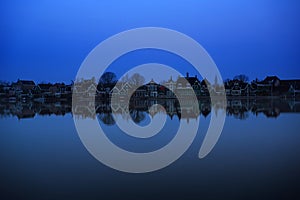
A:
(193, 80)
(236, 84)
(44, 86)
(26, 82)
(268, 80)
(181, 80)
(152, 82)
(190, 80)
(205, 82)
(271, 78)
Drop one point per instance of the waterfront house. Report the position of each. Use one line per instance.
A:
(273, 86)
(4, 88)
(140, 92)
(170, 88)
(121, 90)
(183, 86)
(268, 86)
(237, 88)
(195, 83)
(23, 87)
(43, 89)
(59, 89)
(290, 87)
(84, 88)
(205, 87)
(104, 90)
(162, 91)
(152, 89)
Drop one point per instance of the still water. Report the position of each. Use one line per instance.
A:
(256, 156)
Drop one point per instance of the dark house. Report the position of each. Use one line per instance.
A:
(205, 87)
(185, 85)
(170, 87)
(44, 88)
(140, 92)
(273, 86)
(162, 91)
(22, 89)
(152, 89)
(195, 83)
(237, 88)
(268, 87)
(24, 86)
(289, 87)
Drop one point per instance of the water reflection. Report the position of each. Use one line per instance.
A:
(237, 108)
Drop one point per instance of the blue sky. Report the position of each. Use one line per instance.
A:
(48, 40)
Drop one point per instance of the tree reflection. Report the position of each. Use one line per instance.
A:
(137, 116)
(107, 118)
(138, 109)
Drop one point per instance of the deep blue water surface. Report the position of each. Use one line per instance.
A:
(43, 158)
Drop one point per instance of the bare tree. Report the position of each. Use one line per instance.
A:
(242, 77)
(107, 118)
(137, 116)
(125, 78)
(137, 79)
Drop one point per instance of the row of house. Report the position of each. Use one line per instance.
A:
(183, 87)
(186, 86)
(26, 89)
(270, 86)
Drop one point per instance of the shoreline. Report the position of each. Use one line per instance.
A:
(68, 98)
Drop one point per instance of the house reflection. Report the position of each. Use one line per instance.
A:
(237, 108)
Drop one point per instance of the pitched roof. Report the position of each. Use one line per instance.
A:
(268, 80)
(190, 80)
(44, 86)
(205, 82)
(271, 78)
(152, 82)
(26, 82)
(181, 80)
(193, 80)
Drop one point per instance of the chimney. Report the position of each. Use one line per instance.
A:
(187, 74)
(196, 76)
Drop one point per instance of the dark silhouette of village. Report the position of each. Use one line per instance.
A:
(271, 97)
